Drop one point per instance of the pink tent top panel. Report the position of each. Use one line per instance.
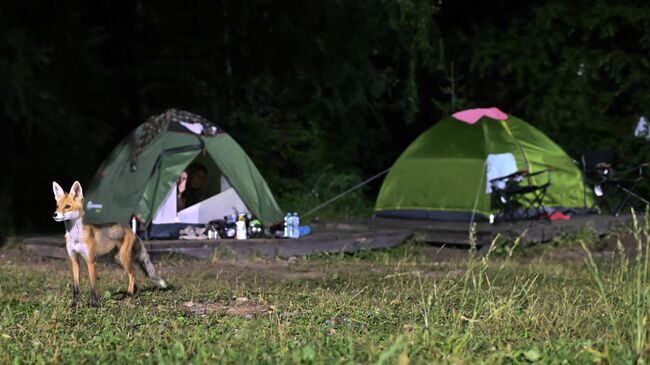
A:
(471, 116)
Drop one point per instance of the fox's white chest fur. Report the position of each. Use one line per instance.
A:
(74, 242)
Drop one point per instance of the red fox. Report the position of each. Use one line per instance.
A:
(91, 241)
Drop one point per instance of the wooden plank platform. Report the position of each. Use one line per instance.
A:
(458, 233)
(54, 246)
(355, 235)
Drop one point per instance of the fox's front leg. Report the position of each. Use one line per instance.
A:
(74, 261)
(92, 275)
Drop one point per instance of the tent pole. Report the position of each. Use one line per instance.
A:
(478, 191)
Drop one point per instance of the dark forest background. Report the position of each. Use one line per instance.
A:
(320, 93)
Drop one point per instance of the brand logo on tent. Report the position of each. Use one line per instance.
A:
(97, 206)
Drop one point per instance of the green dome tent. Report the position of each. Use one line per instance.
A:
(442, 174)
(139, 176)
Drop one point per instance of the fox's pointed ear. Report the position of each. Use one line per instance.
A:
(76, 192)
(58, 191)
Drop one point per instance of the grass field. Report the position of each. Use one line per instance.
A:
(579, 300)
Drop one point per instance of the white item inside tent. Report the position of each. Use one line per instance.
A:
(225, 185)
(215, 207)
(498, 165)
(166, 212)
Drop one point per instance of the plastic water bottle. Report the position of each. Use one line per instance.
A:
(296, 225)
(290, 223)
(287, 225)
(241, 228)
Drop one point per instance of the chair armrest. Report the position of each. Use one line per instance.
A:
(514, 174)
(640, 169)
(546, 171)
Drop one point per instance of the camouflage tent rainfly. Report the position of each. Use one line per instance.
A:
(140, 174)
(442, 174)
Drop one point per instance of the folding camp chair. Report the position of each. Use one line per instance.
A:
(520, 194)
(612, 187)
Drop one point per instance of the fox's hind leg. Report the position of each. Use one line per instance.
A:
(92, 275)
(125, 259)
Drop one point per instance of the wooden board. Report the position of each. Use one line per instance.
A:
(53, 246)
(354, 235)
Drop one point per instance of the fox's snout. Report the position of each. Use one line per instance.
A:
(66, 215)
(58, 216)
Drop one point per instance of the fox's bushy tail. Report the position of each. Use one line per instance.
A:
(142, 258)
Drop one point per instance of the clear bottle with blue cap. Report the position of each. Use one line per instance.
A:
(287, 225)
(295, 220)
